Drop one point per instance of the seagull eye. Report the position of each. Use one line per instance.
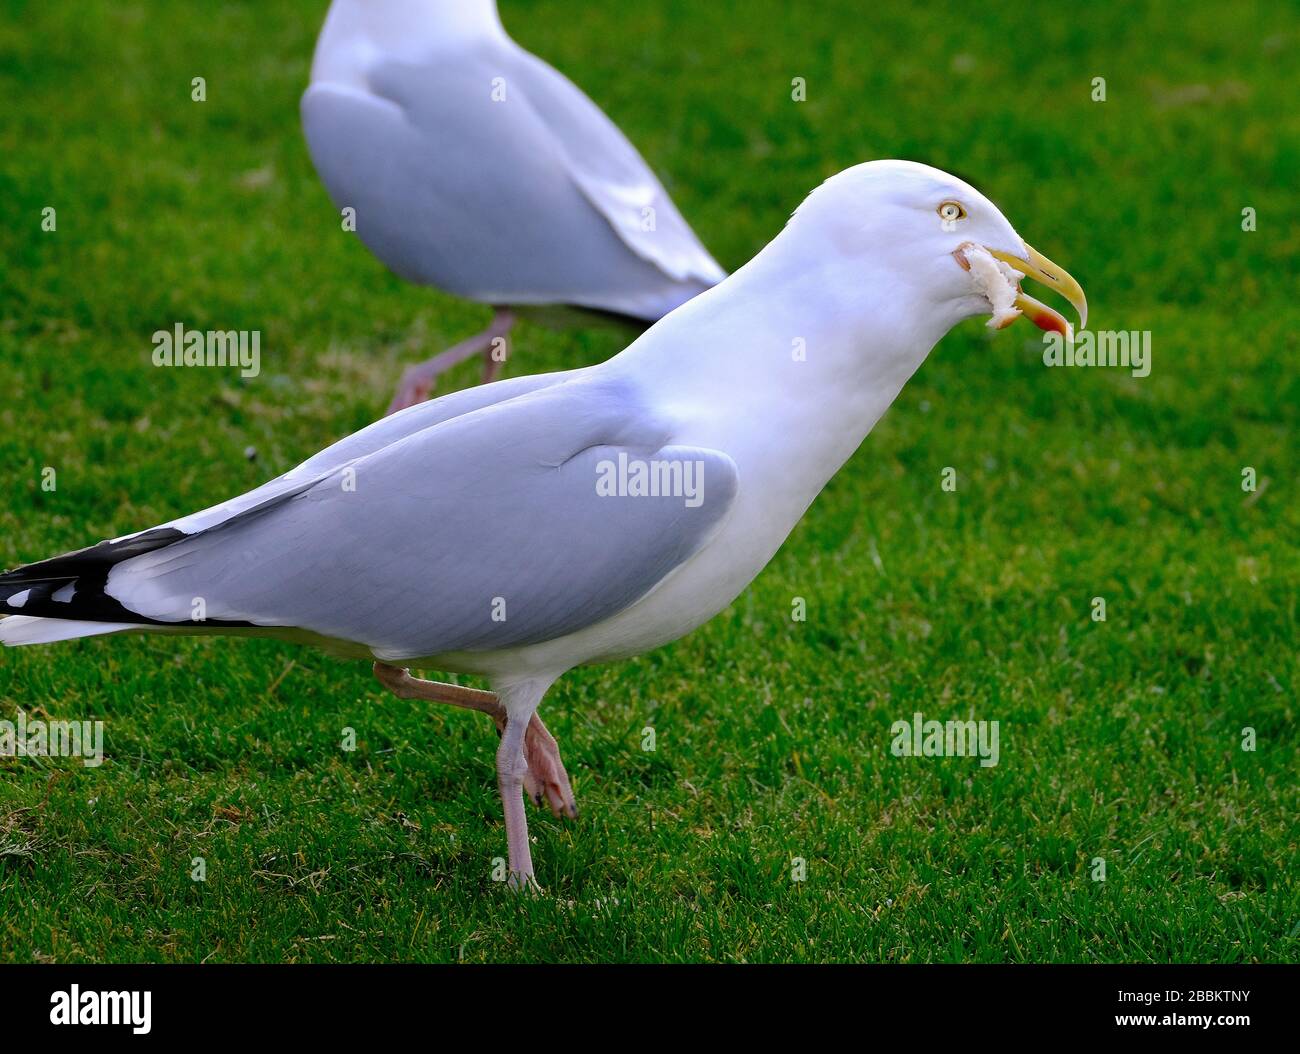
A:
(951, 212)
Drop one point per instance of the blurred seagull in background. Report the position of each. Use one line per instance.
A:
(473, 166)
(522, 528)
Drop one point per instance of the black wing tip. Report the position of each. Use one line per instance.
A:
(86, 570)
(94, 559)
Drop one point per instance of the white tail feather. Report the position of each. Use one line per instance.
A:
(29, 629)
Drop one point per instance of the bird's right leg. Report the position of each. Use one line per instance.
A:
(511, 769)
(521, 700)
(418, 380)
(546, 777)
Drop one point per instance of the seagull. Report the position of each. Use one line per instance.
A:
(518, 529)
(473, 166)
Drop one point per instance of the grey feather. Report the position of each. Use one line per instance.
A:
(535, 199)
(489, 514)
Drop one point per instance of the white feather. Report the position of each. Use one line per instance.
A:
(24, 629)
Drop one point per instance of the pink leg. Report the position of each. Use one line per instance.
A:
(498, 349)
(545, 776)
(404, 686)
(511, 767)
(546, 773)
(418, 380)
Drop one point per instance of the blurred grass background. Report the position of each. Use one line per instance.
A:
(1120, 740)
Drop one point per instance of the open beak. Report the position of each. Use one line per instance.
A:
(1038, 267)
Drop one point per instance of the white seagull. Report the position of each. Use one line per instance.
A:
(518, 529)
(473, 166)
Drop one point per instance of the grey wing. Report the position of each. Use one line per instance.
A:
(614, 176)
(376, 436)
(475, 196)
(488, 531)
(72, 586)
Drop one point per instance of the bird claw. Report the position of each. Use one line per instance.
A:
(558, 797)
(546, 777)
(523, 882)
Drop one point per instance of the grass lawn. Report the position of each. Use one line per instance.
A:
(1120, 740)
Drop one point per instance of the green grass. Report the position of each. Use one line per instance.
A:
(1119, 740)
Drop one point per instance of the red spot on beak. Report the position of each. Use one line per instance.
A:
(1042, 316)
(1050, 324)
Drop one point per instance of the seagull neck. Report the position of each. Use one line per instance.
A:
(796, 336)
(408, 30)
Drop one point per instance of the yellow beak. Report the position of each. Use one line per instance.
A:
(1041, 269)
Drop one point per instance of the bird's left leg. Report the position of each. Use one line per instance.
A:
(404, 686)
(418, 380)
(546, 778)
(498, 349)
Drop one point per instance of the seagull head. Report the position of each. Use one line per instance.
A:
(927, 228)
